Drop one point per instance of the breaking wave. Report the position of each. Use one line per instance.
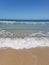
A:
(14, 22)
(34, 40)
(19, 43)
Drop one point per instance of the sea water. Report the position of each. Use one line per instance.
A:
(24, 34)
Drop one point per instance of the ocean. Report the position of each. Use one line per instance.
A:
(24, 34)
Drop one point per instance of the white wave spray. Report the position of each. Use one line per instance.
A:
(19, 43)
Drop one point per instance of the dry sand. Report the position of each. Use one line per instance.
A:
(34, 56)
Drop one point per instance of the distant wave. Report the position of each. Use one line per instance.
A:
(14, 22)
(7, 22)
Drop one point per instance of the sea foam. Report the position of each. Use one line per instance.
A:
(21, 43)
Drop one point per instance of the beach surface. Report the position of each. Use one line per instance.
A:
(33, 56)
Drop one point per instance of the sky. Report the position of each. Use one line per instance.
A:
(24, 9)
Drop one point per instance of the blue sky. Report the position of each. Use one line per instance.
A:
(24, 9)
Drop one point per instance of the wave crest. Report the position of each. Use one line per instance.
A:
(15, 22)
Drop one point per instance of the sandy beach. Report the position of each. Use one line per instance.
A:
(33, 56)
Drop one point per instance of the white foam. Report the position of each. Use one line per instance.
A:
(7, 22)
(22, 22)
(19, 43)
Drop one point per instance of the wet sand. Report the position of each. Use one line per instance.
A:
(34, 56)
